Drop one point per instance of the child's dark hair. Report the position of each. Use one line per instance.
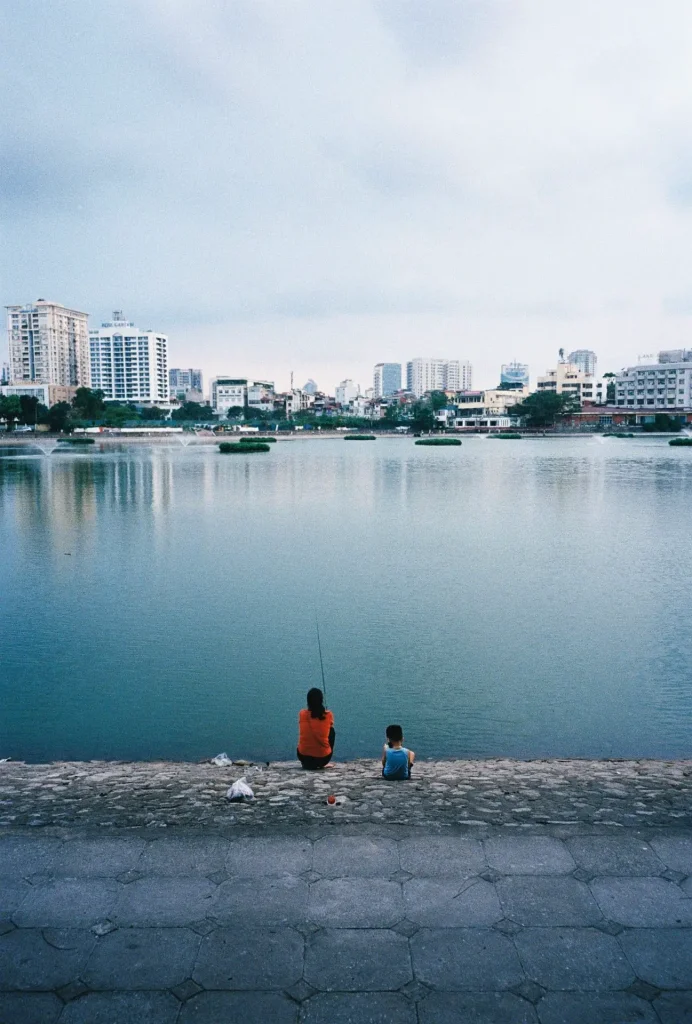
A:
(395, 734)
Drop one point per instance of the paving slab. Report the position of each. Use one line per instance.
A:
(547, 900)
(141, 958)
(442, 857)
(122, 1008)
(252, 857)
(239, 1008)
(357, 960)
(643, 902)
(188, 855)
(675, 852)
(450, 904)
(29, 963)
(660, 956)
(614, 855)
(355, 903)
(29, 1008)
(12, 893)
(472, 959)
(361, 1008)
(529, 855)
(81, 857)
(249, 958)
(356, 857)
(258, 902)
(476, 1008)
(164, 901)
(674, 1007)
(573, 959)
(595, 1008)
(67, 903)
(22, 856)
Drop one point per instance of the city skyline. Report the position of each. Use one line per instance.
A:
(321, 231)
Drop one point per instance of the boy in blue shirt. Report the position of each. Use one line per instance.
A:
(396, 759)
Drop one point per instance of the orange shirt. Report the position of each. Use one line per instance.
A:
(313, 739)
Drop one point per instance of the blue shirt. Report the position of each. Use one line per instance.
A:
(396, 763)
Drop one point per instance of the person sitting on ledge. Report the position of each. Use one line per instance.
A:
(396, 759)
(316, 733)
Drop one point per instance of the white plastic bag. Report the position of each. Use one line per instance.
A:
(240, 791)
(222, 761)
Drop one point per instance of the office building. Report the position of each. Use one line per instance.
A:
(182, 382)
(47, 394)
(386, 379)
(241, 392)
(515, 375)
(568, 379)
(129, 364)
(585, 360)
(49, 344)
(346, 392)
(438, 375)
(655, 387)
(310, 387)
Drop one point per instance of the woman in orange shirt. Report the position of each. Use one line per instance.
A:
(315, 732)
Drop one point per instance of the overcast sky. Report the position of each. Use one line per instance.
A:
(322, 184)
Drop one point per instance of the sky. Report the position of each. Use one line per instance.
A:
(311, 186)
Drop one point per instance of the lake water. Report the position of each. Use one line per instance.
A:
(526, 598)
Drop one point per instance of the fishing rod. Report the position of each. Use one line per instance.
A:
(319, 648)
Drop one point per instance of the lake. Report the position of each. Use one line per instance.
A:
(522, 598)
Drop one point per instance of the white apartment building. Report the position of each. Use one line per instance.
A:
(49, 344)
(230, 392)
(438, 375)
(47, 394)
(654, 387)
(568, 379)
(346, 392)
(128, 364)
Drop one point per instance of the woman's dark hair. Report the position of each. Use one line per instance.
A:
(316, 703)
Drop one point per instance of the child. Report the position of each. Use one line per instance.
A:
(396, 759)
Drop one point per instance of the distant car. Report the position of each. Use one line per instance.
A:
(24, 430)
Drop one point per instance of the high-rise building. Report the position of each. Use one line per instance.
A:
(585, 360)
(569, 379)
(438, 375)
(5, 374)
(514, 374)
(655, 386)
(49, 344)
(346, 391)
(128, 364)
(310, 387)
(386, 379)
(180, 382)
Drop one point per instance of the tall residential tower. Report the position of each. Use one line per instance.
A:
(49, 344)
(438, 375)
(128, 364)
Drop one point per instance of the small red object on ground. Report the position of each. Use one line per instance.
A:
(331, 799)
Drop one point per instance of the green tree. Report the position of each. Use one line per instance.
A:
(88, 404)
(663, 423)
(545, 408)
(10, 410)
(236, 412)
(152, 413)
(423, 417)
(59, 417)
(610, 389)
(437, 400)
(193, 412)
(29, 414)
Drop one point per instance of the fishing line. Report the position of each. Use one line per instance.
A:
(319, 648)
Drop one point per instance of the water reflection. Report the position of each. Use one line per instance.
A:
(527, 599)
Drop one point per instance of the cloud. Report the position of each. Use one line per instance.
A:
(320, 186)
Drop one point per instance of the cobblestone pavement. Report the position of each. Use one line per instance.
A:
(401, 927)
(442, 793)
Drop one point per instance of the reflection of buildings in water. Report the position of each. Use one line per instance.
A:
(144, 483)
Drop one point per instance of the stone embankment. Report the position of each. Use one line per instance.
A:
(491, 793)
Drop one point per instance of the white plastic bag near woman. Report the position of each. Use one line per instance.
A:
(240, 791)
